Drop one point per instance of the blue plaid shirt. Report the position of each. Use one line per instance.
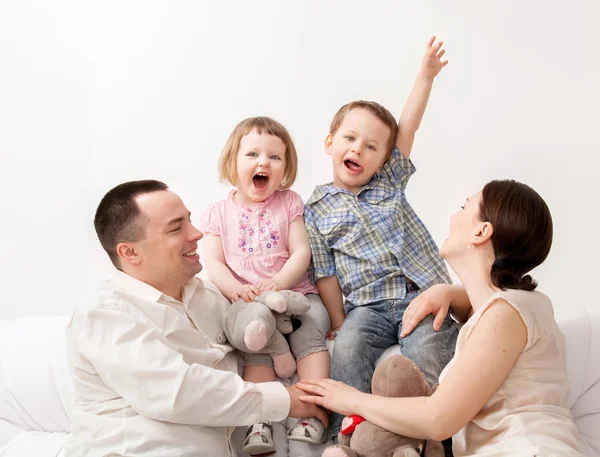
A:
(372, 240)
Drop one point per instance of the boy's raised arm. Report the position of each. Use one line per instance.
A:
(413, 111)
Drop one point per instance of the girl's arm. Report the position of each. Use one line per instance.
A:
(413, 111)
(299, 261)
(220, 274)
(477, 373)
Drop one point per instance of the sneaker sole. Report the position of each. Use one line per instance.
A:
(259, 450)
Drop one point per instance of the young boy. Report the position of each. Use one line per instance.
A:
(369, 245)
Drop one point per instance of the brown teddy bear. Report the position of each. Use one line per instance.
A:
(397, 376)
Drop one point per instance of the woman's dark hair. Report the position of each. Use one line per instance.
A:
(522, 232)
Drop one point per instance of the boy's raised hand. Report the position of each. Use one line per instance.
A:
(432, 62)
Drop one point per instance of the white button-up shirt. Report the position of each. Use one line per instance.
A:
(154, 376)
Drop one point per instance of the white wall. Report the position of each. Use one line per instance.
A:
(96, 93)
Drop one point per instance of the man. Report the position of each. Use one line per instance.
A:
(153, 373)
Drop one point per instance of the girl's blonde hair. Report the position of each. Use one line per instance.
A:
(263, 126)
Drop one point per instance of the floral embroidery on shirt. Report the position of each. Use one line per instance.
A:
(246, 233)
(268, 232)
(269, 235)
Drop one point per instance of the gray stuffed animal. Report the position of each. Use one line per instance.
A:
(259, 326)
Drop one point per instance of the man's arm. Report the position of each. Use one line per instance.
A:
(134, 360)
(413, 111)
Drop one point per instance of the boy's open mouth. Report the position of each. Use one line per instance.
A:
(260, 180)
(353, 166)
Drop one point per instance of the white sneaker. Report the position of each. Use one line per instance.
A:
(259, 440)
(309, 430)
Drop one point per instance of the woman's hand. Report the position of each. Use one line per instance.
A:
(435, 300)
(332, 395)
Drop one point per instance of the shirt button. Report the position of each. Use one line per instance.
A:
(334, 219)
(221, 339)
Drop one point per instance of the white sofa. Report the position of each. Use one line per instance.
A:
(36, 390)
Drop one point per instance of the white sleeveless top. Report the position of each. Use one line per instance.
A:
(529, 414)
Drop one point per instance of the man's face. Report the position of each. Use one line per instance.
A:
(167, 255)
(358, 149)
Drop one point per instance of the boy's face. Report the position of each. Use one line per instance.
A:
(358, 149)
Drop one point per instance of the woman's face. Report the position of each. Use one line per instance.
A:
(464, 225)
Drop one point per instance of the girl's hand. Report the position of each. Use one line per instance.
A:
(246, 292)
(268, 284)
(432, 62)
(435, 300)
(332, 395)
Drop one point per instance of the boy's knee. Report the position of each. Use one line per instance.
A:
(347, 346)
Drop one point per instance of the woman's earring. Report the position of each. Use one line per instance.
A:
(470, 246)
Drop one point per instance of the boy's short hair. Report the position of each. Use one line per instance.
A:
(117, 218)
(263, 126)
(374, 108)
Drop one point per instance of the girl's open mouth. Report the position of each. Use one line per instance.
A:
(260, 181)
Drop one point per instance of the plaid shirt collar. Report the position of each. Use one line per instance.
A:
(376, 190)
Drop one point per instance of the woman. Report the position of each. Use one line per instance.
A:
(505, 391)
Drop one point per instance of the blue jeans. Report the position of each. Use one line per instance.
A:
(370, 329)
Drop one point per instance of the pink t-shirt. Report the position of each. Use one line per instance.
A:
(255, 240)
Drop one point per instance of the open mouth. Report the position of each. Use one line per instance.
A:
(190, 254)
(353, 166)
(260, 180)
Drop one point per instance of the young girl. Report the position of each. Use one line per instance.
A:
(255, 241)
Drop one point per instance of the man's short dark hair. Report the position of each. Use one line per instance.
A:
(117, 217)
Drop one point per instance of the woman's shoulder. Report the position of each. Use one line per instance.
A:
(527, 298)
(534, 308)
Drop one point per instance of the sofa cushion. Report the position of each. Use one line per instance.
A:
(37, 384)
(582, 333)
(36, 444)
(36, 389)
(10, 422)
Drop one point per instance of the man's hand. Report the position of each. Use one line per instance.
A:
(435, 300)
(432, 62)
(268, 284)
(301, 409)
(246, 292)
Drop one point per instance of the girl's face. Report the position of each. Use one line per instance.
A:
(260, 167)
